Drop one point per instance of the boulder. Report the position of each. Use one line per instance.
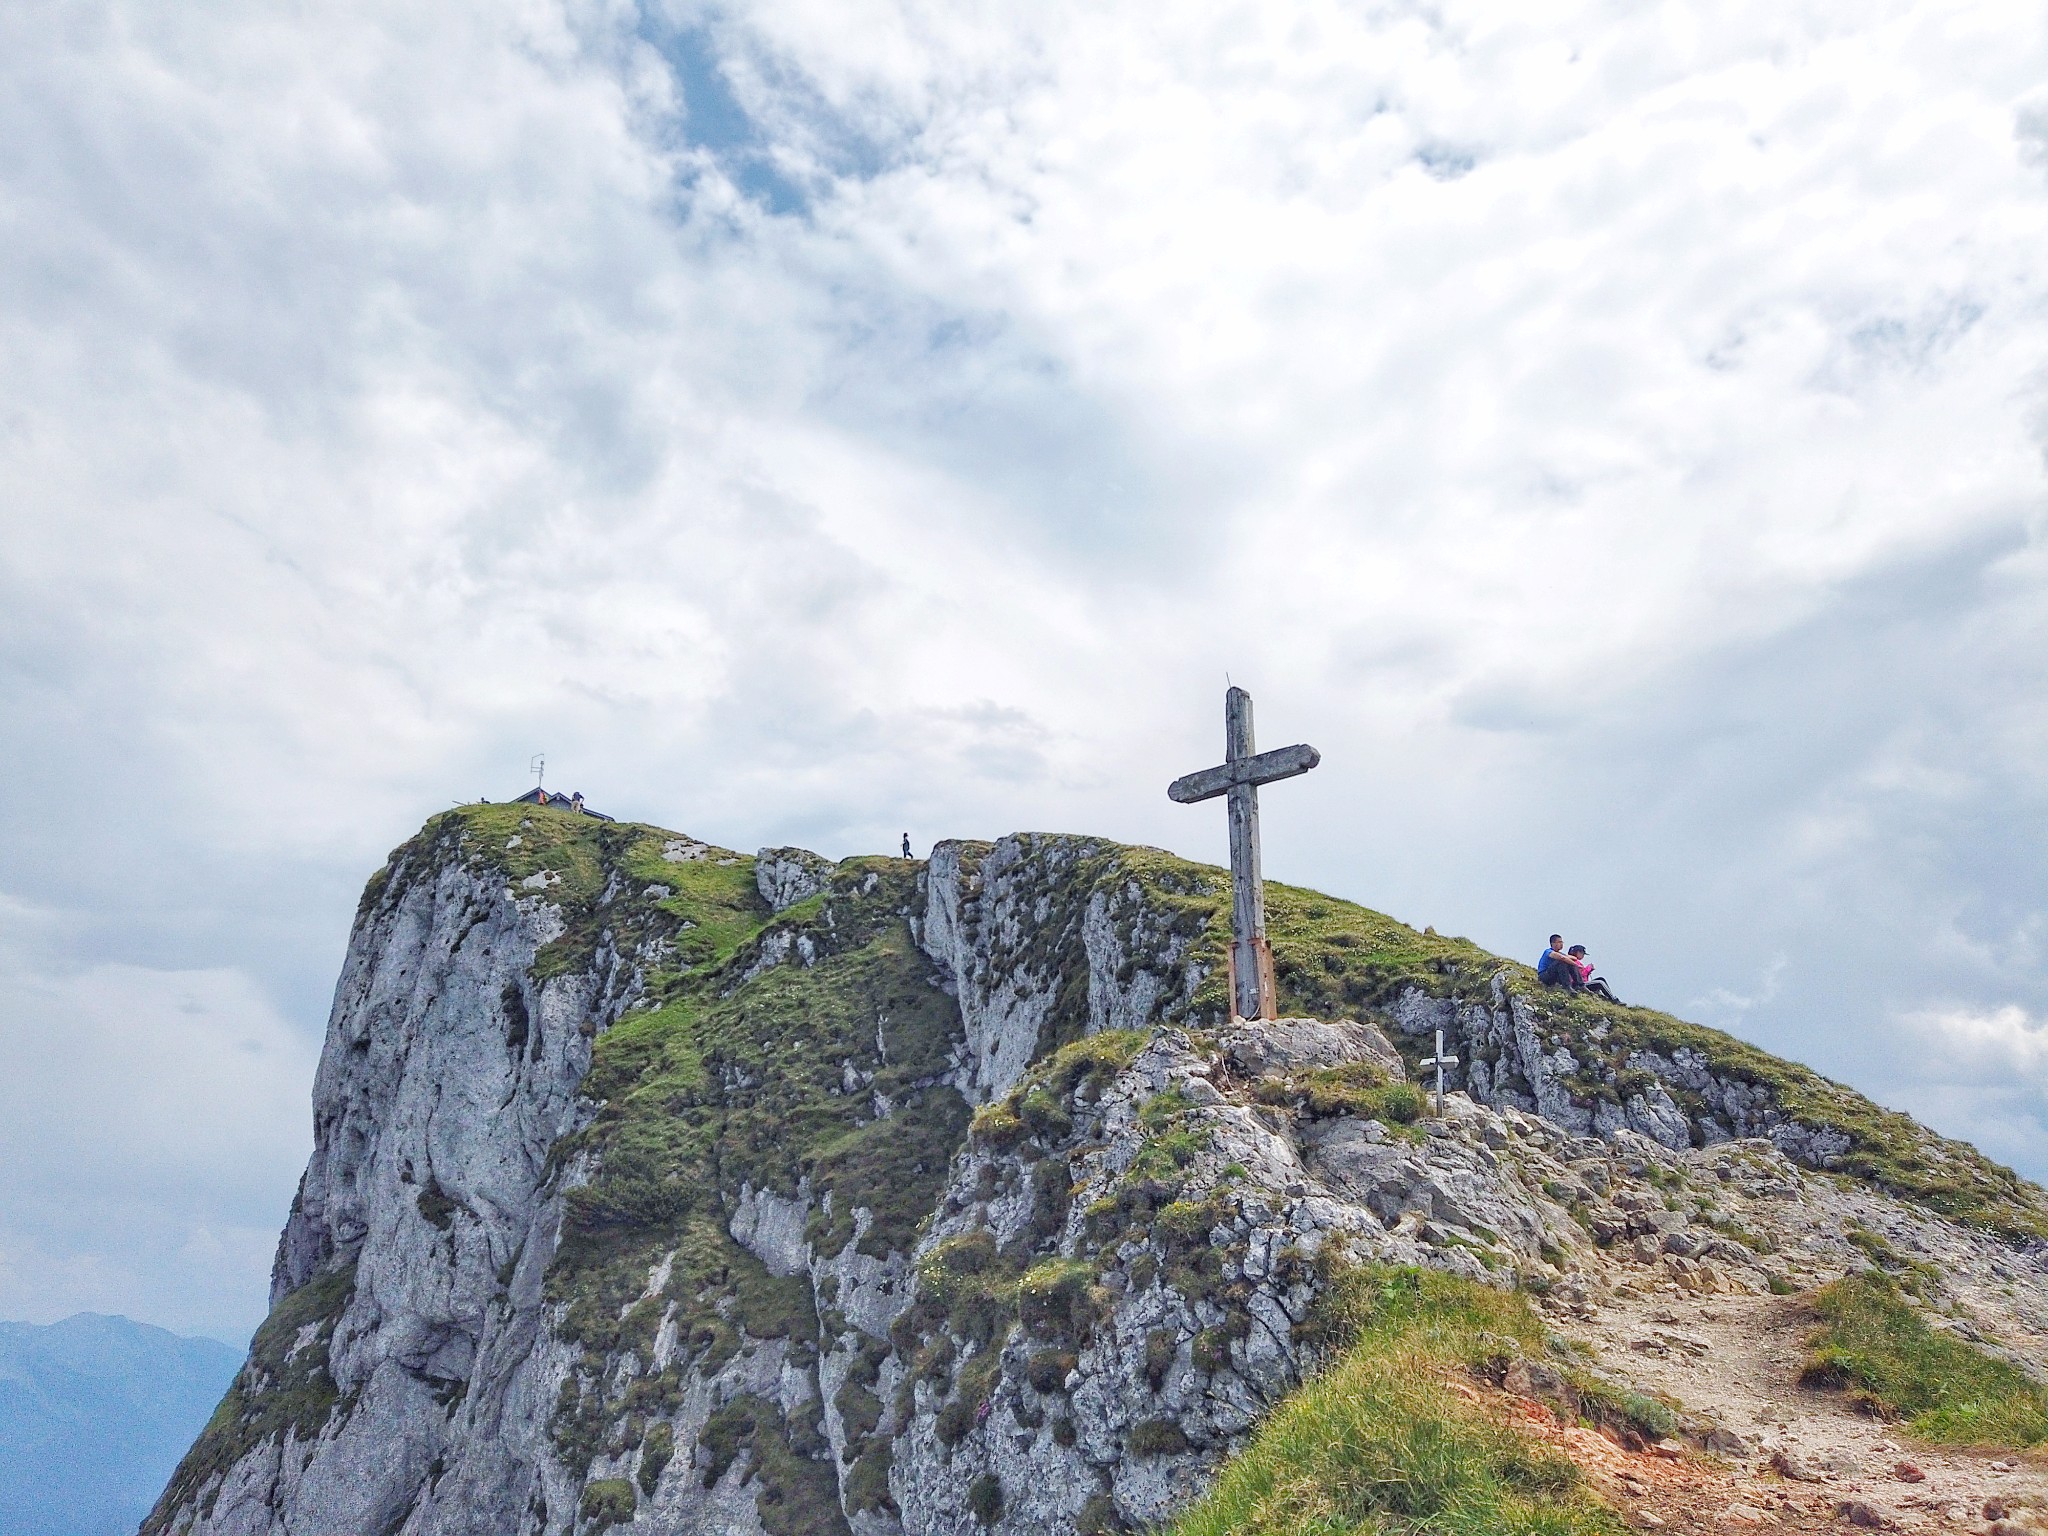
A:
(1259, 1047)
(786, 876)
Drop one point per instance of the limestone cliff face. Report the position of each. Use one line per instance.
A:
(1045, 939)
(449, 1075)
(663, 1188)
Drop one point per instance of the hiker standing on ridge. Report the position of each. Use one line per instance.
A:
(906, 845)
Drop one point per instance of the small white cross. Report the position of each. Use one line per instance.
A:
(1440, 1060)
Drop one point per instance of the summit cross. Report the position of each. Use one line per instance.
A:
(1239, 775)
(1439, 1061)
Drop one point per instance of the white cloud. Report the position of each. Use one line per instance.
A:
(1725, 1006)
(1612, 435)
(1981, 1073)
(1983, 1045)
(149, 1125)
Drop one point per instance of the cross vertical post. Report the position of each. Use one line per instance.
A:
(1251, 959)
(1253, 994)
(1440, 1060)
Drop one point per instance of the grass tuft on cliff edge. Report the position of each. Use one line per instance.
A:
(1380, 1443)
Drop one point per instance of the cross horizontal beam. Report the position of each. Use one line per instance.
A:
(1265, 768)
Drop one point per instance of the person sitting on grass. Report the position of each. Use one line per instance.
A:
(1558, 969)
(1597, 985)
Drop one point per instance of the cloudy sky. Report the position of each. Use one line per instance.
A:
(1613, 433)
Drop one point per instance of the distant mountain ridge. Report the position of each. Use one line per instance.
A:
(94, 1413)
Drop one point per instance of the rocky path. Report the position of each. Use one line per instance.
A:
(1791, 1458)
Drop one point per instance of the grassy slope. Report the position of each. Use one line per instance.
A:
(1380, 1442)
(1877, 1345)
(710, 908)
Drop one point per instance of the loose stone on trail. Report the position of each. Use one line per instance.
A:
(1253, 994)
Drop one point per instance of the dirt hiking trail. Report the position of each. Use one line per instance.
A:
(1766, 1452)
(1790, 1458)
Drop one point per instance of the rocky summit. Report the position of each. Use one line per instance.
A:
(663, 1187)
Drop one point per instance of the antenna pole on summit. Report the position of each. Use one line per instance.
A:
(538, 767)
(1253, 994)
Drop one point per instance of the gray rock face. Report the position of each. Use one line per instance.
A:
(1261, 1046)
(1512, 1055)
(1109, 1292)
(1010, 925)
(447, 1078)
(787, 876)
(1192, 1325)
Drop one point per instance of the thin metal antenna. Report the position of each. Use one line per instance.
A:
(538, 767)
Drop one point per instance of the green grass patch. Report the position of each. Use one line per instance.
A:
(284, 1388)
(1331, 957)
(1916, 1277)
(1355, 1088)
(1605, 1405)
(1876, 1345)
(1086, 1067)
(1156, 1437)
(1055, 1300)
(602, 875)
(606, 1503)
(1461, 1320)
(1380, 1444)
(788, 1458)
(737, 1081)
(1041, 1107)
(985, 1498)
(895, 1168)
(657, 1450)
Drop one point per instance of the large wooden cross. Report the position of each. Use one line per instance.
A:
(1239, 775)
